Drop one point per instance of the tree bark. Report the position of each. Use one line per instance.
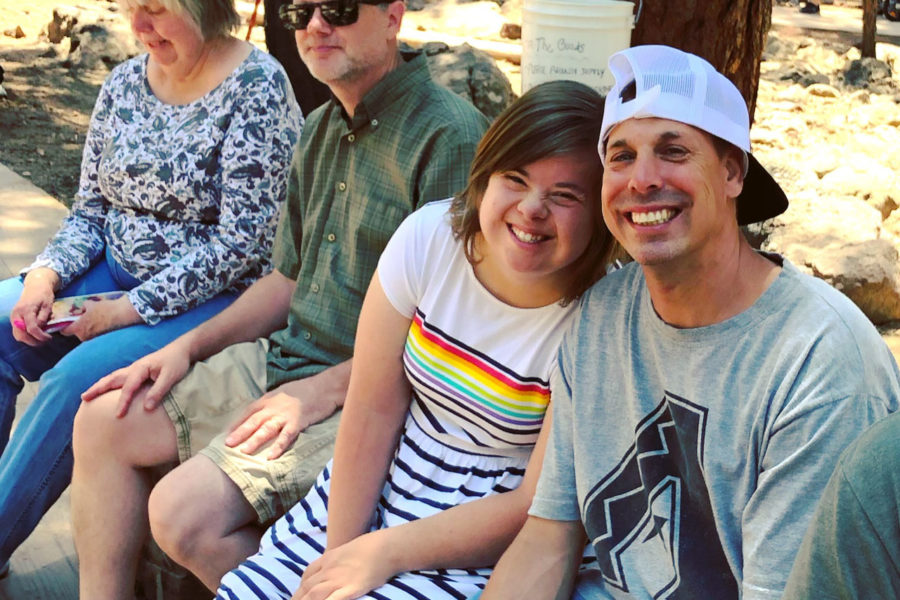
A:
(868, 32)
(730, 34)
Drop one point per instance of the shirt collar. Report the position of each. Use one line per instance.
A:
(395, 85)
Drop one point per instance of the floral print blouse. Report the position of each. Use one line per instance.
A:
(186, 197)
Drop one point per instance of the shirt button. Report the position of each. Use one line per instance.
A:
(374, 122)
(315, 288)
(331, 237)
(306, 335)
(351, 138)
(342, 186)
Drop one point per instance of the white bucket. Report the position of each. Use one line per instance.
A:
(573, 39)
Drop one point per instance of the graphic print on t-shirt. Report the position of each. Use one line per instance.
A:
(649, 519)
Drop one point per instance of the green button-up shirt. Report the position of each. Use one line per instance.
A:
(351, 183)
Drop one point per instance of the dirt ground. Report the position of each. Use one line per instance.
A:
(44, 118)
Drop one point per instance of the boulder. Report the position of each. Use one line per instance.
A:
(871, 182)
(472, 74)
(778, 48)
(803, 74)
(96, 45)
(840, 240)
(92, 37)
(871, 74)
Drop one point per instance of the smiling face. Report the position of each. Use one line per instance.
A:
(172, 38)
(535, 222)
(355, 55)
(667, 193)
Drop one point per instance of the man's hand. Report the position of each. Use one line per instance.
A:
(31, 313)
(348, 571)
(101, 316)
(165, 367)
(281, 414)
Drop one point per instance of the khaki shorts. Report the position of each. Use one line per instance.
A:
(211, 398)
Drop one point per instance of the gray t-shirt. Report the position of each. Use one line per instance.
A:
(698, 455)
(852, 548)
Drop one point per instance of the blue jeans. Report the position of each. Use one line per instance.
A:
(36, 464)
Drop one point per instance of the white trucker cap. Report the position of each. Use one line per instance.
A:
(667, 83)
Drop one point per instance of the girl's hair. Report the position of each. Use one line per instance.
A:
(215, 18)
(552, 119)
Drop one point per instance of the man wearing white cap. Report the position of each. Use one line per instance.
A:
(706, 389)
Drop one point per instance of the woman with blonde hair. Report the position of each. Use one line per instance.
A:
(182, 180)
(443, 430)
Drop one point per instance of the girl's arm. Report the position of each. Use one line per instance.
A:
(474, 534)
(373, 416)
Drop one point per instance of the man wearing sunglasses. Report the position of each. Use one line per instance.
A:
(275, 365)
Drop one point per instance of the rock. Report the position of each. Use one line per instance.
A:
(93, 37)
(511, 31)
(97, 45)
(16, 32)
(875, 184)
(822, 90)
(777, 47)
(891, 226)
(472, 74)
(802, 73)
(839, 240)
(861, 96)
(890, 54)
(3, 93)
(869, 73)
(64, 19)
(512, 10)
(824, 163)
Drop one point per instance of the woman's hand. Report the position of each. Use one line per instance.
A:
(101, 316)
(348, 571)
(31, 313)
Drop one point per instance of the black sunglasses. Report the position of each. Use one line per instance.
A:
(336, 13)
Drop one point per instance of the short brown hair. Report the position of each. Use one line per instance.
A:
(215, 18)
(552, 119)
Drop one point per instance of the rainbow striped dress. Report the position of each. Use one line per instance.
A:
(480, 372)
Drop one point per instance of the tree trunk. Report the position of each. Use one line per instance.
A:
(730, 34)
(868, 32)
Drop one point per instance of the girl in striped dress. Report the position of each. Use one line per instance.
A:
(441, 438)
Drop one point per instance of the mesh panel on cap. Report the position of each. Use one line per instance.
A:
(671, 72)
(671, 84)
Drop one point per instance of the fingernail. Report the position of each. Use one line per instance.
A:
(19, 324)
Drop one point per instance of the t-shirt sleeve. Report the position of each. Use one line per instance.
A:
(852, 547)
(799, 457)
(402, 264)
(555, 497)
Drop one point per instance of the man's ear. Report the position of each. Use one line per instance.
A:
(733, 161)
(395, 11)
